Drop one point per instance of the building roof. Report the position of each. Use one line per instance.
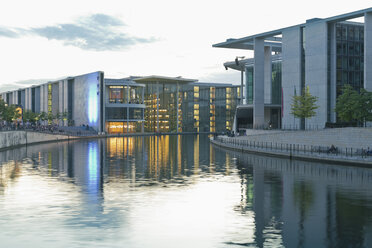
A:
(162, 79)
(246, 62)
(272, 37)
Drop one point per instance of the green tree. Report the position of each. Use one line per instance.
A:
(43, 116)
(50, 117)
(354, 106)
(347, 103)
(11, 113)
(30, 116)
(304, 105)
(2, 108)
(57, 117)
(363, 109)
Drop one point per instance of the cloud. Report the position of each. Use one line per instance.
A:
(8, 32)
(96, 32)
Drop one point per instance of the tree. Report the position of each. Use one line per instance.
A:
(30, 116)
(303, 106)
(346, 103)
(354, 106)
(363, 111)
(50, 117)
(43, 116)
(57, 117)
(2, 108)
(11, 113)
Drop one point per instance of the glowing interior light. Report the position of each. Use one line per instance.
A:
(92, 104)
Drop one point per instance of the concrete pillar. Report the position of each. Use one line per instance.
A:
(27, 106)
(41, 98)
(268, 74)
(128, 108)
(368, 51)
(29, 99)
(332, 86)
(157, 107)
(178, 89)
(15, 97)
(61, 97)
(242, 86)
(291, 73)
(258, 84)
(316, 70)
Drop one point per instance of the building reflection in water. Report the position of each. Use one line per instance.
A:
(305, 204)
(276, 202)
(157, 157)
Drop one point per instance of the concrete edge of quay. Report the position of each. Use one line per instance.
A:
(14, 139)
(289, 155)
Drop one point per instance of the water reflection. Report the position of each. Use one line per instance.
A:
(294, 202)
(177, 191)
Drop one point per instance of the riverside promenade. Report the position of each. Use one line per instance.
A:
(339, 145)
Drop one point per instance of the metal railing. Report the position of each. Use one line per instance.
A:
(364, 153)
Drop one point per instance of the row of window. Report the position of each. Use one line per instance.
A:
(121, 113)
(354, 63)
(349, 32)
(350, 48)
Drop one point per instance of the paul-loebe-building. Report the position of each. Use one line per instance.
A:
(134, 104)
(322, 54)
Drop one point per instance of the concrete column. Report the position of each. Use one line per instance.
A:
(41, 98)
(316, 70)
(61, 97)
(178, 89)
(291, 73)
(332, 88)
(15, 97)
(157, 107)
(27, 98)
(258, 84)
(368, 51)
(268, 74)
(128, 109)
(242, 86)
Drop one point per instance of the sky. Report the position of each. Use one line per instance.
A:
(43, 40)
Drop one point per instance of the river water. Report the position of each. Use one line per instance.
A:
(177, 191)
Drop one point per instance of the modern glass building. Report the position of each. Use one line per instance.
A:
(153, 104)
(321, 54)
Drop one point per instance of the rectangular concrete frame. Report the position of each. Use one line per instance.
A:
(258, 84)
(291, 73)
(316, 47)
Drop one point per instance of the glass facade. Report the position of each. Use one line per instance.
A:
(276, 83)
(249, 84)
(124, 112)
(170, 107)
(161, 107)
(125, 94)
(350, 56)
(201, 108)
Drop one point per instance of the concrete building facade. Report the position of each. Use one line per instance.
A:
(321, 54)
(133, 104)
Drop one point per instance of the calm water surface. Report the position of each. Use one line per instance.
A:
(171, 191)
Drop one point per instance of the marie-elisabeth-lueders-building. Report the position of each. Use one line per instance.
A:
(153, 104)
(320, 54)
